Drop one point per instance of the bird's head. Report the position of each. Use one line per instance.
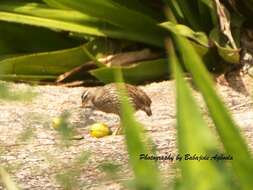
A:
(86, 98)
(147, 110)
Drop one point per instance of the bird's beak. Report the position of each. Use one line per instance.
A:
(148, 111)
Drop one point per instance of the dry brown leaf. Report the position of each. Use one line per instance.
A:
(224, 20)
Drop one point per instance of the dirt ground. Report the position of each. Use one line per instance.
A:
(34, 164)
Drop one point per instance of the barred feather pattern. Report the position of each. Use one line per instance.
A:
(106, 99)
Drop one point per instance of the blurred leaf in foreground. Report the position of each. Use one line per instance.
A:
(110, 169)
(234, 143)
(68, 177)
(62, 125)
(7, 93)
(136, 145)
(195, 138)
(6, 179)
(26, 134)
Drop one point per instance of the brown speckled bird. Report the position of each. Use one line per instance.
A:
(106, 99)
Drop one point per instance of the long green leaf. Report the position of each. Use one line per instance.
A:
(20, 77)
(195, 138)
(48, 63)
(50, 23)
(199, 40)
(127, 19)
(233, 142)
(190, 11)
(136, 145)
(17, 38)
(207, 12)
(7, 181)
(176, 10)
(62, 19)
(183, 30)
(137, 73)
(226, 52)
(199, 15)
(74, 21)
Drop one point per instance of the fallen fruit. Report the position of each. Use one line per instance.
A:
(57, 122)
(99, 130)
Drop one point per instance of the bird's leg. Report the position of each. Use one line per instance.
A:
(118, 131)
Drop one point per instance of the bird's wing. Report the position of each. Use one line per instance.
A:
(106, 100)
(138, 95)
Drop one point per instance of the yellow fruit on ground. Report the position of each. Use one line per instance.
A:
(99, 130)
(56, 123)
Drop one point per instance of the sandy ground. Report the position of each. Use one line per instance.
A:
(34, 164)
